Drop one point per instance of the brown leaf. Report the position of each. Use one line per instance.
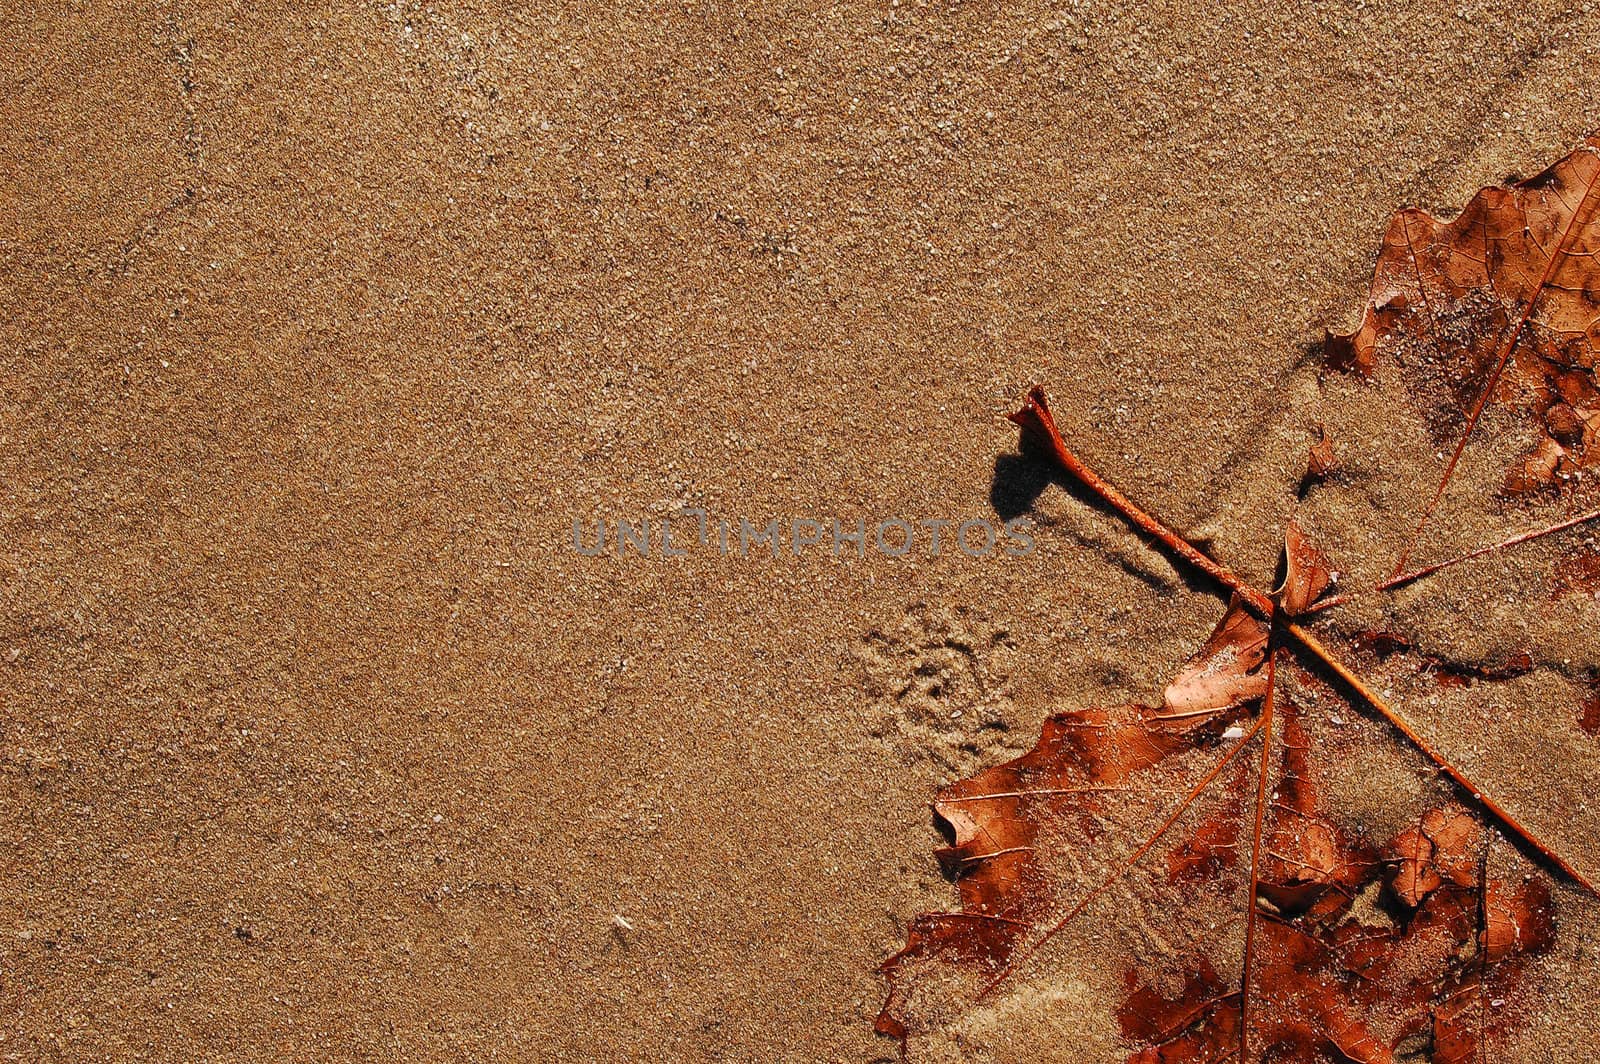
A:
(1502, 304)
(1307, 573)
(1196, 1027)
(1309, 866)
(1321, 981)
(1225, 672)
(1355, 947)
(1589, 708)
(996, 818)
(1213, 846)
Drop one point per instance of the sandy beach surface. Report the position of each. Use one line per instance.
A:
(320, 327)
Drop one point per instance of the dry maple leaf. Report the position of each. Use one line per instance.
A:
(1350, 947)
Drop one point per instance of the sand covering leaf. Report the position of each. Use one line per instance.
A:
(1351, 947)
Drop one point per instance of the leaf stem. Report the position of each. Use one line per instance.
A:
(1035, 418)
(1255, 855)
(1481, 1055)
(1429, 570)
(1405, 727)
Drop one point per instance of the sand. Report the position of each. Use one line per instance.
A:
(321, 742)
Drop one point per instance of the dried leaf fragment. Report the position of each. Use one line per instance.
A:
(1307, 573)
(1321, 459)
(1437, 850)
(1500, 304)
(1225, 672)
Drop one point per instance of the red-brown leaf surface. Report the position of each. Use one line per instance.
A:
(1501, 302)
(1344, 942)
(1497, 308)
